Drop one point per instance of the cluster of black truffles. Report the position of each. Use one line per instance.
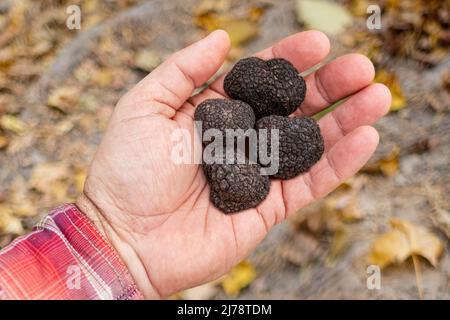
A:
(265, 93)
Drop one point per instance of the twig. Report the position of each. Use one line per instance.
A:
(418, 272)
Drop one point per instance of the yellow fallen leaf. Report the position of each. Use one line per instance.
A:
(334, 211)
(238, 278)
(63, 127)
(339, 245)
(84, 72)
(26, 209)
(58, 192)
(359, 7)
(255, 13)
(51, 179)
(387, 165)
(13, 124)
(391, 81)
(211, 16)
(345, 205)
(344, 200)
(404, 240)
(327, 16)
(64, 99)
(17, 14)
(422, 241)
(102, 77)
(391, 247)
(19, 199)
(147, 60)
(3, 142)
(203, 292)
(8, 223)
(80, 177)
(212, 5)
(240, 31)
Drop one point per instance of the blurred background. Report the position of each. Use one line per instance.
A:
(384, 234)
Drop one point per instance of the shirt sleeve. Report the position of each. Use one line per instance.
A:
(65, 257)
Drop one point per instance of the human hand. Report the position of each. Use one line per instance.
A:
(157, 214)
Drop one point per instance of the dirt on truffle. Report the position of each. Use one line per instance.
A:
(272, 87)
(300, 143)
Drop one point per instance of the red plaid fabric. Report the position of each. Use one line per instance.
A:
(65, 257)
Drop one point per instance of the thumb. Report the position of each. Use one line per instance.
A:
(167, 87)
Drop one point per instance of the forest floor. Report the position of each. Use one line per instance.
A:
(60, 87)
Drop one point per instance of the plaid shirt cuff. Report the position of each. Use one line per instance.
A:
(65, 257)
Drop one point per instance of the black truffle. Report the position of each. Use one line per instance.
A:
(224, 114)
(237, 186)
(272, 87)
(300, 143)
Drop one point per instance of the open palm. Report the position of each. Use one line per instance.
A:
(157, 214)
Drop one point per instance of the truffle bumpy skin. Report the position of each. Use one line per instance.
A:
(224, 114)
(236, 187)
(272, 87)
(300, 143)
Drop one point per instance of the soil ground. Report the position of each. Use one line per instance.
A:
(290, 263)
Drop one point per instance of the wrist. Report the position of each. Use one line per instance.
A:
(125, 250)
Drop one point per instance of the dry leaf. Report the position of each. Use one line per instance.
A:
(26, 209)
(8, 223)
(51, 180)
(13, 124)
(388, 165)
(404, 240)
(213, 5)
(330, 213)
(84, 72)
(147, 60)
(391, 81)
(19, 198)
(339, 244)
(414, 29)
(359, 7)
(445, 80)
(239, 30)
(256, 13)
(238, 278)
(3, 141)
(391, 247)
(345, 205)
(203, 292)
(63, 127)
(211, 16)
(422, 241)
(80, 177)
(323, 15)
(46, 173)
(102, 77)
(20, 143)
(64, 99)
